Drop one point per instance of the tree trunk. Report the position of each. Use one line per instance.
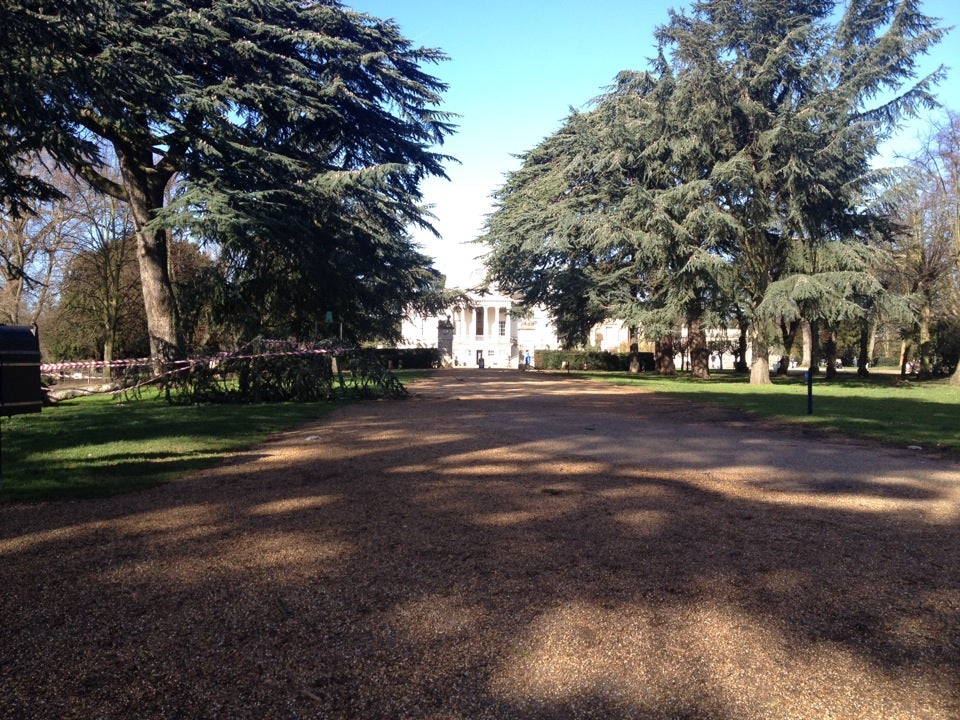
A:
(788, 332)
(699, 352)
(740, 364)
(813, 360)
(904, 357)
(634, 358)
(665, 355)
(955, 378)
(807, 335)
(108, 353)
(863, 358)
(145, 193)
(828, 343)
(14, 287)
(760, 365)
(924, 347)
(158, 295)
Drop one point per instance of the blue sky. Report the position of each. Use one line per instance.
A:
(515, 70)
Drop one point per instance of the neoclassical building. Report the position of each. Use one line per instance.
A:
(485, 333)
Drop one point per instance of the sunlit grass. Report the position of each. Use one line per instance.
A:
(878, 406)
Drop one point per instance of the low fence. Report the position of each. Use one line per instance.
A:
(262, 370)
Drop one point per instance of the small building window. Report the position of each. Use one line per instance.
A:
(503, 328)
(479, 315)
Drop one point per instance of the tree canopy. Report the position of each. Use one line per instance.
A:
(689, 186)
(297, 133)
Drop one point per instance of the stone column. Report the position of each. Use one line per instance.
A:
(445, 341)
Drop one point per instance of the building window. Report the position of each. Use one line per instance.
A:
(479, 315)
(503, 328)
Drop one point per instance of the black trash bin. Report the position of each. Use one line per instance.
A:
(20, 390)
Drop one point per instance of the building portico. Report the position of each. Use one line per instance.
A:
(485, 329)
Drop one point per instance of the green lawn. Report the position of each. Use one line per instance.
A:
(101, 445)
(97, 446)
(925, 414)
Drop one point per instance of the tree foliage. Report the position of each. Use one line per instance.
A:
(693, 188)
(41, 45)
(539, 247)
(299, 134)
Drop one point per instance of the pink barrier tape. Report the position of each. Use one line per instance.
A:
(94, 365)
(51, 369)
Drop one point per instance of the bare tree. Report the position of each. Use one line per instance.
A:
(927, 252)
(101, 289)
(33, 249)
(944, 165)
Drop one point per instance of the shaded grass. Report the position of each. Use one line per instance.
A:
(100, 446)
(925, 414)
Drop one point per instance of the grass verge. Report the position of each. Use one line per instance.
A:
(100, 446)
(925, 414)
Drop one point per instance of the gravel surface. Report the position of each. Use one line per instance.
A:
(501, 545)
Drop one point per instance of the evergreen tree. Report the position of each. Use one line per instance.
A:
(300, 131)
(41, 43)
(785, 98)
(689, 190)
(539, 247)
(669, 268)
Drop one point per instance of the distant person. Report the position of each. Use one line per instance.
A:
(526, 359)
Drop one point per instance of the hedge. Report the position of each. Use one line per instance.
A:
(591, 360)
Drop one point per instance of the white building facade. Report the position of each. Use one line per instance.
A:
(487, 333)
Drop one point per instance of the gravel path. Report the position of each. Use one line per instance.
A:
(501, 545)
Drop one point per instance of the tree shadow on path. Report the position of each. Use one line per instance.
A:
(504, 545)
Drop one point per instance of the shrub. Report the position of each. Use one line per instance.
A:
(272, 371)
(590, 360)
(408, 358)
